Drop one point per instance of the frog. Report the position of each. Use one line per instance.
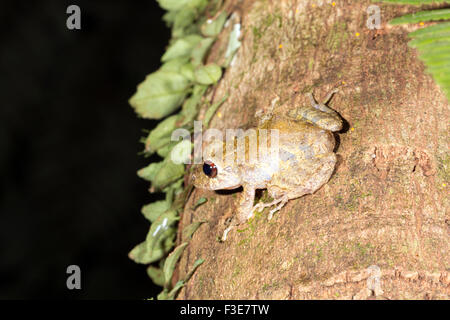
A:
(305, 161)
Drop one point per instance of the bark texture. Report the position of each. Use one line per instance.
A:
(387, 203)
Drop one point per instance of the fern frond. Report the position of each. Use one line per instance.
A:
(432, 42)
(422, 16)
(417, 2)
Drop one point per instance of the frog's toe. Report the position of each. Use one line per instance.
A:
(225, 233)
(258, 207)
(280, 205)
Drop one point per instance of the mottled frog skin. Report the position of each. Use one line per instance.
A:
(305, 161)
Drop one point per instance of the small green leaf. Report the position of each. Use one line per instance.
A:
(153, 249)
(163, 295)
(148, 173)
(212, 28)
(160, 136)
(159, 94)
(208, 74)
(153, 210)
(166, 149)
(183, 18)
(173, 4)
(181, 283)
(197, 263)
(233, 44)
(171, 261)
(199, 202)
(159, 239)
(200, 50)
(169, 18)
(169, 173)
(175, 187)
(181, 153)
(189, 230)
(187, 70)
(181, 47)
(174, 65)
(171, 295)
(212, 110)
(190, 107)
(156, 274)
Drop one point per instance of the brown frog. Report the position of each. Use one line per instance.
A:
(304, 162)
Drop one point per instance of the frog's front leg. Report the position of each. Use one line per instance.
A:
(245, 208)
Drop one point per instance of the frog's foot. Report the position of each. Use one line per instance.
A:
(225, 233)
(280, 202)
(280, 205)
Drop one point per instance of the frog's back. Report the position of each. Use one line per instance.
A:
(301, 138)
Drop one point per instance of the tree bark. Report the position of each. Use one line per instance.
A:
(385, 206)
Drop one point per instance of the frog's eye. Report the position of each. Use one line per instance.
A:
(209, 169)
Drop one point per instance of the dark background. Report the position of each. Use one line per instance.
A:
(69, 146)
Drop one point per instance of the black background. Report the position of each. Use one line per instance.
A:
(69, 146)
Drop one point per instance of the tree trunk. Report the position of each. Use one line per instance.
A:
(380, 227)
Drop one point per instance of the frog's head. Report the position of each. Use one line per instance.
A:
(214, 174)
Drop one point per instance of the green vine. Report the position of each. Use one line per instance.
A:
(182, 80)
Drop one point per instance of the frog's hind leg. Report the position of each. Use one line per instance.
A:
(322, 106)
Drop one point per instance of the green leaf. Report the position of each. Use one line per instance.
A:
(175, 187)
(153, 249)
(159, 94)
(171, 295)
(208, 74)
(197, 263)
(181, 153)
(171, 261)
(174, 65)
(169, 172)
(431, 30)
(212, 110)
(199, 202)
(182, 4)
(159, 239)
(190, 107)
(233, 44)
(156, 274)
(163, 295)
(165, 150)
(212, 28)
(173, 4)
(153, 210)
(181, 47)
(189, 230)
(422, 16)
(200, 50)
(183, 18)
(148, 173)
(169, 18)
(160, 136)
(180, 284)
(187, 70)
